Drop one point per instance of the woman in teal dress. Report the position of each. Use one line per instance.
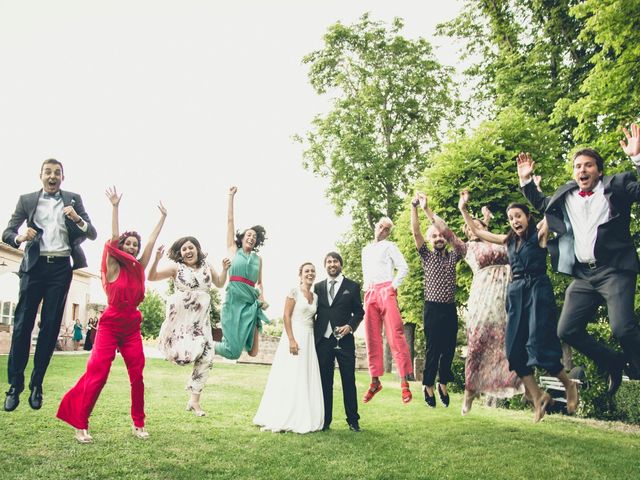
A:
(243, 309)
(77, 334)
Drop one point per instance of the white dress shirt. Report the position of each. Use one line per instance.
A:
(586, 214)
(383, 262)
(49, 217)
(328, 332)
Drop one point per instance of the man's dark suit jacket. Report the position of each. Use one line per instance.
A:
(346, 309)
(614, 246)
(25, 211)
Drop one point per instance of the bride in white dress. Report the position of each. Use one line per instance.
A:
(292, 400)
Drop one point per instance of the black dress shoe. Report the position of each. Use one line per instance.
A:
(615, 379)
(12, 400)
(429, 399)
(444, 398)
(35, 399)
(354, 426)
(325, 427)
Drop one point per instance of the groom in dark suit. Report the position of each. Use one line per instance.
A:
(56, 226)
(591, 216)
(339, 306)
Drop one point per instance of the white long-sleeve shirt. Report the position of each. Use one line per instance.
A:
(383, 262)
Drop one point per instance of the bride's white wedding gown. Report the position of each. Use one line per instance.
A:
(292, 400)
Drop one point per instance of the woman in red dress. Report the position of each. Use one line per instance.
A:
(119, 328)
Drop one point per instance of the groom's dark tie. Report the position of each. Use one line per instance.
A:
(332, 290)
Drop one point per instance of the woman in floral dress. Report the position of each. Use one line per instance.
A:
(486, 366)
(185, 335)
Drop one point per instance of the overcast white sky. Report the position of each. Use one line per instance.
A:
(176, 101)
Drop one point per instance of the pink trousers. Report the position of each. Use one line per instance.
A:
(119, 330)
(381, 307)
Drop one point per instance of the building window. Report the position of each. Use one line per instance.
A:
(7, 311)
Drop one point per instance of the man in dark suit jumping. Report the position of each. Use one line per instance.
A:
(591, 216)
(340, 310)
(56, 226)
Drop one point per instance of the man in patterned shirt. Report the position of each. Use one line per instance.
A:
(440, 316)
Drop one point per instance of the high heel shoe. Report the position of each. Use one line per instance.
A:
(82, 436)
(140, 432)
(196, 410)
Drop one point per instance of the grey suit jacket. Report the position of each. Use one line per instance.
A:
(25, 211)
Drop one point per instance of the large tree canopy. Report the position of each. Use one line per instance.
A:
(482, 161)
(389, 101)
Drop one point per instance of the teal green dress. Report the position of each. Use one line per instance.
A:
(77, 332)
(241, 312)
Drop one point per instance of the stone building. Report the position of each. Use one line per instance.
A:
(77, 306)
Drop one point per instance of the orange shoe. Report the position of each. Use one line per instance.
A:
(373, 389)
(406, 393)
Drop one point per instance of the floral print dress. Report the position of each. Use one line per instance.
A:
(185, 335)
(486, 368)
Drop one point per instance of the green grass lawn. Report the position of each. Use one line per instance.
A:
(397, 441)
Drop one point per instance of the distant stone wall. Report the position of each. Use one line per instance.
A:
(269, 345)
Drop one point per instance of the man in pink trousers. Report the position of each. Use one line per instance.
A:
(383, 270)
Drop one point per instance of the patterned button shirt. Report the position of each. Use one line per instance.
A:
(440, 269)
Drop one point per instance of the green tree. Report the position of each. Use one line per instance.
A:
(525, 54)
(611, 91)
(389, 101)
(484, 163)
(152, 308)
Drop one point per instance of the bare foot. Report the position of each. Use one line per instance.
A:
(468, 402)
(573, 398)
(540, 406)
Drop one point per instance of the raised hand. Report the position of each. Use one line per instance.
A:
(632, 144)
(159, 253)
(226, 264)
(162, 208)
(525, 166)
(464, 199)
(233, 190)
(486, 213)
(537, 179)
(422, 198)
(112, 195)
(415, 201)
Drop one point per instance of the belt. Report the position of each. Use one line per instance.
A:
(590, 265)
(234, 278)
(526, 276)
(54, 259)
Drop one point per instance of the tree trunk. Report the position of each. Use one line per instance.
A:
(410, 336)
(387, 355)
